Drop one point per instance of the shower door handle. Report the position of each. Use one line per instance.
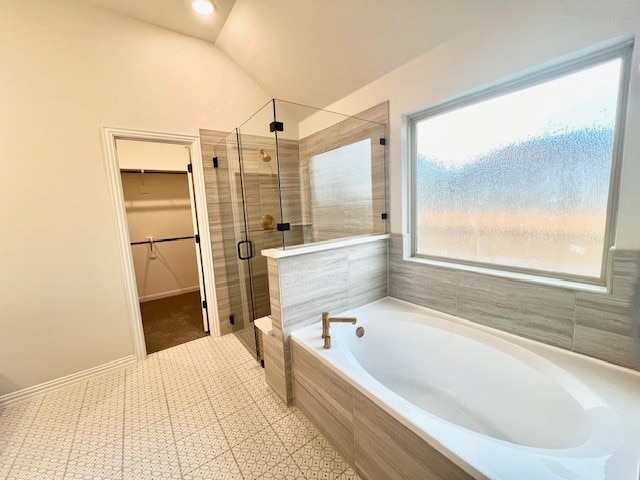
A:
(249, 245)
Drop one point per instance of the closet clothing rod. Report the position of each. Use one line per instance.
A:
(169, 172)
(161, 240)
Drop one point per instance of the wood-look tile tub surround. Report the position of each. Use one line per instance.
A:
(303, 286)
(594, 324)
(374, 443)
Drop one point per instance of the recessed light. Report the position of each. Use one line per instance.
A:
(203, 7)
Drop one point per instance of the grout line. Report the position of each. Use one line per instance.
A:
(124, 421)
(33, 421)
(75, 430)
(218, 420)
(575, 319)
(173, 434)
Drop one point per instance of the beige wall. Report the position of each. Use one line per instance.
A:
(139, 155)
(68, 69)
(527, 35)
(164, 211)
(159, 205)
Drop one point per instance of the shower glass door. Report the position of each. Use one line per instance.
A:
(256, 205)
(291, 175)
(332, 173)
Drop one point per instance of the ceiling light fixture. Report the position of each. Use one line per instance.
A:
(203, 7)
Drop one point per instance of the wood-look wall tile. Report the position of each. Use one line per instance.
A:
(261, 297)
(344, 217)
(604, 329)
(296, 236)
(274, 292)
(288, 157)
(311, 284)
(218, 192)
(533, 311)
(251, 184)
(603, 313)
(608, 346)
(325, 398)
(626, 271)
(274, 366)
(229, 302)
(288, 368)
(384, 448)
(378, 113)
(355, 130)
(367, 273)
(595, 324)
(322, 141)
(212, 137)
(420, 284)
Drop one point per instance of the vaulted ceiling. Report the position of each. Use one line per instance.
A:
(176, 15)
(317, 51)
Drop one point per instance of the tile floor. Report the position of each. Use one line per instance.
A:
(201, 410)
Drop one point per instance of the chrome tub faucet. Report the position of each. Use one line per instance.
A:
(327, 321)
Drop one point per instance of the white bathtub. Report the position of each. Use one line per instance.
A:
(497, 405)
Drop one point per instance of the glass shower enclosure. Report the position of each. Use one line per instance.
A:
(296, 175)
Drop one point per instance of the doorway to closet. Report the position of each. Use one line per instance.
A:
(161, 215)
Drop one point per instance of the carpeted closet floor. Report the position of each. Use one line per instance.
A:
(172, 321)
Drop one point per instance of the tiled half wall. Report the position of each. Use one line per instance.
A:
(594, 324)
(303, 286)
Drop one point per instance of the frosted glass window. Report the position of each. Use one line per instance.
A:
(520, 180)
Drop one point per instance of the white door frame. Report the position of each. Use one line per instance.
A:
(109, 138)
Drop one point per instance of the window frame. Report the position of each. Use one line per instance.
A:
(623, 51)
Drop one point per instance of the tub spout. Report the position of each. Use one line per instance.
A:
(326, 322)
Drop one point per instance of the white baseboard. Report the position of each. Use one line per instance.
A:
(29, 392)
(170, 293)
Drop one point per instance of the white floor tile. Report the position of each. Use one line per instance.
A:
(244, 424)
(198, 411)
(225, 404)
(294, 432)
(260, 453)
(223, 467)
(286, 470)
(200, 447)
(317, 459)
(101, 464)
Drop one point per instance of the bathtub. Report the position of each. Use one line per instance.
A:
(496, 405)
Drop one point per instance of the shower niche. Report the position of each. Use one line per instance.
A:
(291, 175)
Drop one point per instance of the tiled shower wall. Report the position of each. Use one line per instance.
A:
(261, 199)
(352, 218)
(594, 324)
(221, 228)
(261, 187)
